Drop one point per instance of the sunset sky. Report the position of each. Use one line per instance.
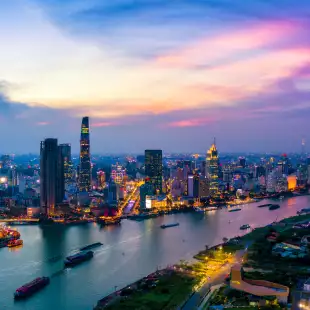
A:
(168, 74)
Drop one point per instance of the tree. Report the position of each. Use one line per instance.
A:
(225, 239)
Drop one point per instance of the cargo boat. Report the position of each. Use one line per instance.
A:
(13, 243)
(31, 287)
(274, 207)
(91, 246)
(169, 225)
(78, 258)
(234, 210)
(245, 226)
(266, 205)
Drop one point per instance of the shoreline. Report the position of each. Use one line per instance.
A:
(228, 246)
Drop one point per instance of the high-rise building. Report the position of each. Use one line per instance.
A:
(242, 162)
(101, 179)
(154, 168)
(51, 175)
(212, 169)
(85, 165)
(68, 167)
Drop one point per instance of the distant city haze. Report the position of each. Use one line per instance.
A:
(167, 75)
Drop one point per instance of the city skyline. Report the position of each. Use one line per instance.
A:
(150, 72)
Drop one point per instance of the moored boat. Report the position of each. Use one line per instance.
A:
(31, 287)
(265, 205)
(91, 246)
(169, 225)
(274, 207)
(245, 226)
(234, 210)
(13, 243)
(78, 258)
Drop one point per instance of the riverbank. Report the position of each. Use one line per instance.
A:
(186, 278)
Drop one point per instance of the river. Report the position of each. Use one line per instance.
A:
(130, 251)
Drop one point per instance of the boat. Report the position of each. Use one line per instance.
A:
(91, 246)
(206, 209)
(169, 225)
(274, 207)
(13, 243)
(266, 205)
(31, 287)
(306, 211)
(245, 226)
(234, 210)
(78, 258)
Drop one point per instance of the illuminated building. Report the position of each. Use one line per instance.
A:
(291, 182)
(85, 165)
(154, 169)
(242, 162)
(6, 161)
(190, 185)
(145, 190)
(68, 167)
(51, 176)
(156, 202)
(212, 169)
(118, 174)
(283, 164)
(204, 188)
(101, 179)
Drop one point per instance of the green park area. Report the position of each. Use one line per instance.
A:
(168, 292)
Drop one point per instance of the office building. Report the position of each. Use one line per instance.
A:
(51, 176)
(68, 166)
(154, 169)
(85, 165)
(101, 179)
(145, 190)
(212, 169)
(242, 162)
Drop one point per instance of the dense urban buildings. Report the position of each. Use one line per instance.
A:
(85, 164)
(154, 169)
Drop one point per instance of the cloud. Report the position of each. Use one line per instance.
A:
(42, 123)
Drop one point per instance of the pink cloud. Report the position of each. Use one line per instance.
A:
(191, 122)
(222, 46)
(103, 124)
(42, 123)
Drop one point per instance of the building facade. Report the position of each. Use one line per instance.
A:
(154, 169)
(85, 164)
(51, 176)
(212, 169)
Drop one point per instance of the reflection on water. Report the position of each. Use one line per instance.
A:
(16, 248)
(291, 202)
(130, 250)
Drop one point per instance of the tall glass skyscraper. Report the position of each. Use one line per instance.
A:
(51, 176)
(154, 169)
(212, 169)
(85, 165)
(68, 167)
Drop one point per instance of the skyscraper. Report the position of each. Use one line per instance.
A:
(212, 169)
(85, 165)
(65, 150)
(154, 168)
(51, 176)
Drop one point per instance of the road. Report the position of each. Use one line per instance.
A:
(197, 298)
